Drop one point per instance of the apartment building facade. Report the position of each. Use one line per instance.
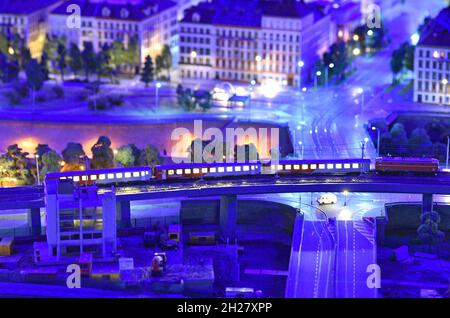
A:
(432, 62)
(152, 23)
(29, 19)
(257, 40)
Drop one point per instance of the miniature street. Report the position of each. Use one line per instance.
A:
(297, 152)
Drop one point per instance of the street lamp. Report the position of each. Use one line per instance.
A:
(37, 169)
(157, 87)
(330, 66)
(318, 74)
(345, 197)
(360, 91)
(378, 139)
(356, 51)
(363, 147)
(300, 65)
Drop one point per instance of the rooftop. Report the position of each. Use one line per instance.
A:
(437, 33)
(248, 13)
(116, 10)
(24, 6)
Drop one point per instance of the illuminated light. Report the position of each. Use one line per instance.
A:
(340, 34)
(187, 171)
(355, 37)
(304, 89)
(241, 91)
(253, 83)
(119, 175)
(82, 168)
(179, 171)
(158, 85)
(62, 163)
(110, 175)
(445, 81)
(299, 127)
(284, 82)
(318, 73)
(345, 215)
(356, 51)
(158, 46)
(270, 88)
(258, 58)
(374, 128)
(76, 178)
(324, 130)
(193, 54)
(136, 174)
(366, 139)
(345, 192)
(310, 131)
(11, 50)
(300, 63)
(102, 177)
(331, 65)
(300, 143)
(93, 177)
(336, 5)
(436, 54)
(37, 156)
(196, 170)
(358, 91)
(415, 37)
(369, 32)
(221, 169)
(115, 151)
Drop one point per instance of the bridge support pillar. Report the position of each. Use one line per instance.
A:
(34, 220)
(125, 214)
(109, 213)
(228, 217)
(427, 203)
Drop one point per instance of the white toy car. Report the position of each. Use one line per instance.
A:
(327, 198)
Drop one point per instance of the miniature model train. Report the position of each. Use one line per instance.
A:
(383, 165)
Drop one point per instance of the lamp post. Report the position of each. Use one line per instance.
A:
(345, 197)
(378, 139)
(360, 91)
(363, 146)
(318, 74)
(300, 65)
(157, 87)
(37, 169)
(330, 66)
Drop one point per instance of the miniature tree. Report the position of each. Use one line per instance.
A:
(150, 156)
(428, 231)
(102, 154)
(61, 59)
(147, 71)
(164, 61)
(125, 156)
(88, 57)
(75, 59)
(51, 162)
(35, 77)
(72, 155)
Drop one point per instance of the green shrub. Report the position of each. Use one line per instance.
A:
(58, 91)
(13, 97)
(115, 100)
(41, 98)
(22, 90)
(99, 103)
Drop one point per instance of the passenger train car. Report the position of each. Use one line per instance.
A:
(188, 171)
